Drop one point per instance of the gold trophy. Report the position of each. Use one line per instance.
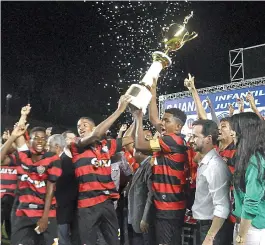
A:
(175, 37)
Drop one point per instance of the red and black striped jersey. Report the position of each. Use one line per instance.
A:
(228, 155)
(8, 180)
(93, 172)
(192, 166)
(169, 176)
(33, 177)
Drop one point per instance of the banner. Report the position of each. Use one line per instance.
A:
(220, 102)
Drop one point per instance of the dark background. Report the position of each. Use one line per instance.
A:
(72, 59)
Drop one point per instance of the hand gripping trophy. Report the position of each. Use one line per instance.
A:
(175, 37)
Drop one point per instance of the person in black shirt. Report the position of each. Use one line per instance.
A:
(66, 190)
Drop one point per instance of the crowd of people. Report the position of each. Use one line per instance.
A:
(139, 188)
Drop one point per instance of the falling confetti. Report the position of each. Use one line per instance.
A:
(136, 36)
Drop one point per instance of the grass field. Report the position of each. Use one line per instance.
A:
(4, 240)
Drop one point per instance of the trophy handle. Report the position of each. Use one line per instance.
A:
(187, 37)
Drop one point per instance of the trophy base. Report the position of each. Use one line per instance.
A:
(162, 58)
(141, 97)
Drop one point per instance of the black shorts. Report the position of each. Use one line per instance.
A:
(99, 217)
(23, 232)
(168, 231)
(6, 207)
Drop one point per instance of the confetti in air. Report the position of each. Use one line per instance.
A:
(136, 28)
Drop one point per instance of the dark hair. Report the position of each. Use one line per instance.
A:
(250, 132)
(67, 132)
(37, 129)
(209, 127)
(177, 113)
(89, 119)
(225, 119)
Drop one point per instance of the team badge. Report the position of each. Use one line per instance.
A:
(40, 170)
(105, 149)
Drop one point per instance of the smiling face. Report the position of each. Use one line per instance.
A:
(198, 141)
(84, 127)
(38, 141)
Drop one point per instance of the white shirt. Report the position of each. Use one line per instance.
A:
(212, 188)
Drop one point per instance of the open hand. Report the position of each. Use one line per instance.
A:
(209, 102)
(124, 102)
(189, 82)
(250, 98)
(123, 128)
(49, 131)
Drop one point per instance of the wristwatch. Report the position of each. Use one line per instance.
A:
(239, 239)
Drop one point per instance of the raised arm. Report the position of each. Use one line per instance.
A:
(140, 143)
(20, 141)
(100, 130)
(153, 111)
(240, 104)
(231, 110)
(252, 104)
(123, 128)
(189, 83)
(131, 130)
(213, 114)
(17, 132)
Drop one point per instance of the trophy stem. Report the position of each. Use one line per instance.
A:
(167, 51)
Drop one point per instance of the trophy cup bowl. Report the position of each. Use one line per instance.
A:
(175, 36)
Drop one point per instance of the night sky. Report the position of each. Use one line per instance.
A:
(72, 59)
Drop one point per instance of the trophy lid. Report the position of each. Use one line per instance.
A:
(173, 36)
(176, 35)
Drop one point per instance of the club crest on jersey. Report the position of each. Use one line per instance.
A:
(105, 149)
(40, 170)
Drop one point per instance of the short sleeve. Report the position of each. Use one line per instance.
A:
(172, 143)
(75, 148)
(114, 146)
(54, 170)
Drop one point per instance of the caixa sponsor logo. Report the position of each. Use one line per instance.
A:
(190, 121)
(38, 184)
(8, 171)
(101, 163)
(223, 115)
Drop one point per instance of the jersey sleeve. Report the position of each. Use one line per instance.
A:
(55, 169)
(74, 148)
(172, 143)
(17, 158)
(114, 146)
(13, 160)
